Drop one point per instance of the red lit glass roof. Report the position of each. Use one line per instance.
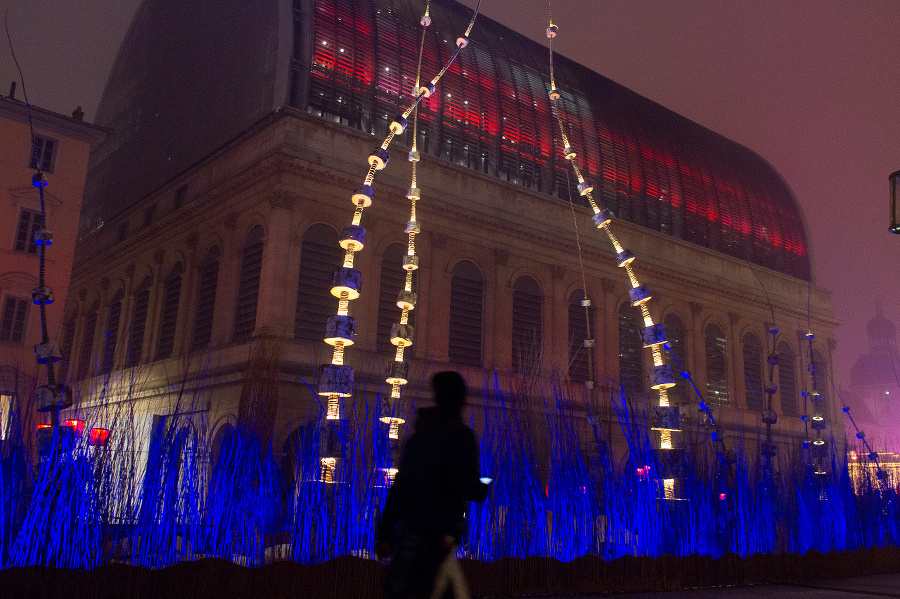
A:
(491, 113)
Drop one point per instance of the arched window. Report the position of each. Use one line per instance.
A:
(112, 332)
(581, 327)
(320, 256)
(248, 285)
(138, 324)
(393, 280)
(716, 364)
(753, 373)
(466, 314)
(823, 380)
(169, 318)
(86, 353)
(631, 349)
(677, 336)
(526, 334)
(206, 298)
(787, 380)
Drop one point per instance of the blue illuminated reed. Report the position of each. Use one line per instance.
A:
(174, 490)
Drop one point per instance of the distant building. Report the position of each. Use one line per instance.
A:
(874, 393)
(63, 145)
(212, 219)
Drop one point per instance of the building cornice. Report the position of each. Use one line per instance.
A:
(53, 122)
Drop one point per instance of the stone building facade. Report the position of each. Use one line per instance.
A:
(224, 253)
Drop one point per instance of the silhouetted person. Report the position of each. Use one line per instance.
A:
(422, 520)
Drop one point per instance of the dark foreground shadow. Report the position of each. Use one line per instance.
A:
(352, 577)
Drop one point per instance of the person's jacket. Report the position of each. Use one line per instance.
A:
(438, 475)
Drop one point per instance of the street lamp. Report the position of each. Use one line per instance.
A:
(895, 209)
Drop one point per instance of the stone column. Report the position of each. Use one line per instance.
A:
(277, 284)
(607, 346)
(498, 314)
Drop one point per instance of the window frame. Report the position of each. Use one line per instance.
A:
(40, 148)
(10, 339)
(34, 224)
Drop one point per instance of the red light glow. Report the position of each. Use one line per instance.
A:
(77, 425)
(98, 437)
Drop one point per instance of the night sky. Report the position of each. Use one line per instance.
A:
(813, 86)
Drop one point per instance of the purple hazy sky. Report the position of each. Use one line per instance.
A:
(813, 86)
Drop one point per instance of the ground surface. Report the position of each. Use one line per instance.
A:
(865, 587)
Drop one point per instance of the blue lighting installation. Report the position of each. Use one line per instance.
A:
(176, 490)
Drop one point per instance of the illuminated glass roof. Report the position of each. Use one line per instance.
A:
(187, 81)
(491, 113)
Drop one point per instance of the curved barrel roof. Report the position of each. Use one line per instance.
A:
(354, 62)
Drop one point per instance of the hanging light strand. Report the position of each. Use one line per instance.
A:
(336, 379)
(402, 331)
(666, 417)
(53, 396)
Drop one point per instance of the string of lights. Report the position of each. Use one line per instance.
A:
(666, 418)
(336, 379)
(402, 331)
(53, 396)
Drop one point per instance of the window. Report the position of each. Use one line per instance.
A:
(787, 379)
(15, 316)
(112, 333)
(716, 364)
(138, 324)
(527, 343)
(320, 255)
(169, 319)
(677, 336)
(753, 374)
(86, 355)
(631, 349)
(206, 298)
(29, 222)
(466, 314)
(248, 285)
(393, 280)
(581, 327)
(44, 154)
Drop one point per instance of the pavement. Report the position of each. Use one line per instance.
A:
(864, 587)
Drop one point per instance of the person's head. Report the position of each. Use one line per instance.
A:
(449, 390)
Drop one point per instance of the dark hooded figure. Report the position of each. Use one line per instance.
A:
(439, 473)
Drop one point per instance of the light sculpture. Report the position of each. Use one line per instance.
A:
(818, 420)
(52, 396)
(666, 418)
(336, 379)
(402, 331)
(769, 417)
